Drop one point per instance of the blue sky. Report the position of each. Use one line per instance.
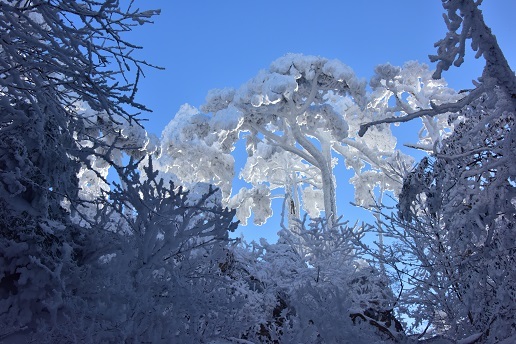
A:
(215, 44)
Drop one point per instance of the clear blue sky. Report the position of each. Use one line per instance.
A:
(214, 44)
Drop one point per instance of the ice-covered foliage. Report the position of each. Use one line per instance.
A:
(165, 265)
(314, 292)
(411, 88)
(40, 266)
(373, 154)
(455, 226)
(257, 199)
(152, 276)
(281, 110)
(272, 168)
(459, 209)
(296, 118)
(465, 22)
(191, 153)
(285, 107)
(63, 114)
(60, 111)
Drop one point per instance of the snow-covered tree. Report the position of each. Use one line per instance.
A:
(148, 259)
(314, 295)
(289, 140)
(190, 153)
(277, 157)
(54, 56)
(457, 211)
(160, 279)
(63, 101)
(460, 205)
(285, 107)
(148, 268)
(411, 88)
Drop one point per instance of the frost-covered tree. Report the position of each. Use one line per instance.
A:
(314, 295)
(404, 91)
(64, 99)
(160, 281)
(199, 145)
(284, 107)
(288, 138)
(54, 57)
(190, 154)
(456, 215)
(460, 207)
(373, 155)
(147, 269)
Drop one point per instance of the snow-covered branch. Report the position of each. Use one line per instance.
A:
(433, 111)
(467, 16)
